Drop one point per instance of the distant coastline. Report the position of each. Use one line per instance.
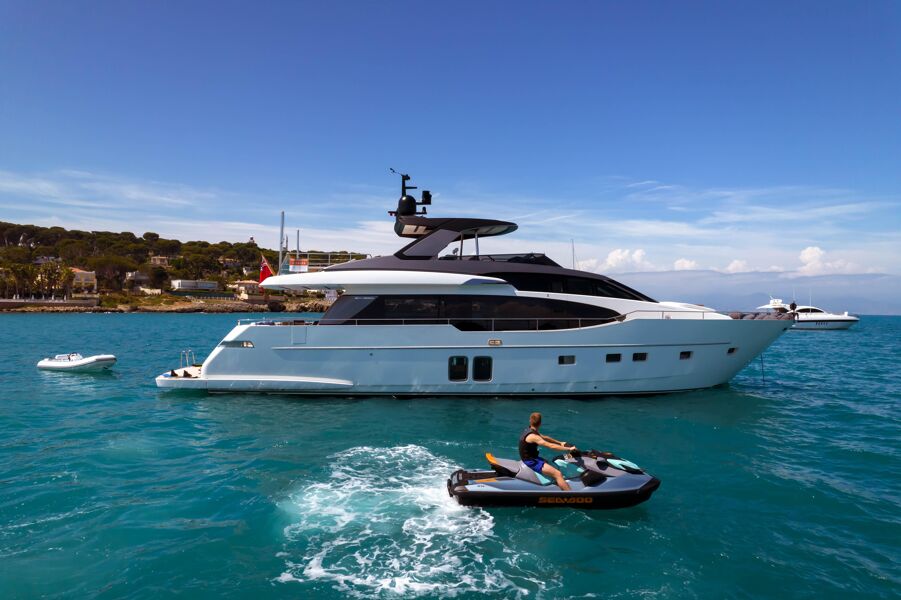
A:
(192, 306)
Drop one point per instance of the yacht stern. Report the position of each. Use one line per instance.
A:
(183, 378)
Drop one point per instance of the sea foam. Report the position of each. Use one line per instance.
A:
(382, 523)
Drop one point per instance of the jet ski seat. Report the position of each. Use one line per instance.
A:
(527, 474)
(516, 469)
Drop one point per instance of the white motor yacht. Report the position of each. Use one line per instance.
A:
(811, 317)
(420, 322)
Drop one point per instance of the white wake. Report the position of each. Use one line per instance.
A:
(383, 524)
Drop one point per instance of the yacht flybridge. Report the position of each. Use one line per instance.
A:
(423, 322)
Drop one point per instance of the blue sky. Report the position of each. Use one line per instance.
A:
(658, 136)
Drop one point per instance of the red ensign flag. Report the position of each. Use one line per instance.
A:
(265, 269)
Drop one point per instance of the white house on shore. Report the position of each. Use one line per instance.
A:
(84, 280)
(246, 289)
(194, 285)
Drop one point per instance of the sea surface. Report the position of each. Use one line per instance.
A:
(787, 483)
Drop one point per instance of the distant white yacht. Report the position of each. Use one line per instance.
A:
(420, 322)
(811, 317)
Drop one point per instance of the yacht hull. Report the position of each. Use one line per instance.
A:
(638, 356)
(824, 324)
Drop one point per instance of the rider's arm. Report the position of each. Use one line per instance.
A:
(542, 441)
(552, 440)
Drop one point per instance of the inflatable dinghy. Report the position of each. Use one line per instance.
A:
(597, 479)
(77, 363)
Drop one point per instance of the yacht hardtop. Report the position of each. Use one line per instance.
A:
(421, 322)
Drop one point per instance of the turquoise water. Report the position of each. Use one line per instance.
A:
(783, 487)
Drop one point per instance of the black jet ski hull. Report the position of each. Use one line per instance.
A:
(546, 497)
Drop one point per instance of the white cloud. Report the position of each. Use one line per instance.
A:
(782, 214)
(684, 264)
(90, 190)
(621, 225)
(623, 259)
(737, 266)
(813, 262)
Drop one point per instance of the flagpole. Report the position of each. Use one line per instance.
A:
(281, 240)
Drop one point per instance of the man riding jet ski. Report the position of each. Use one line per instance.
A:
(529, 441)
(584, 479)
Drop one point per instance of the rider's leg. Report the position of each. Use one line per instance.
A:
(556, 475)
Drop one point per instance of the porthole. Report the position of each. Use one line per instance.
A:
(457, 368)
(614, 358)
(237, 344)
(685, 355)
(481, 368)
(639, 356)
(568, 359)
(731, 350)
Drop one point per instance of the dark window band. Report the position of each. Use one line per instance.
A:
(468, 313)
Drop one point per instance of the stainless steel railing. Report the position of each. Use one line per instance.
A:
(487, 324)
(577, 321)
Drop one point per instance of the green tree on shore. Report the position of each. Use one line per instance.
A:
(111, 255)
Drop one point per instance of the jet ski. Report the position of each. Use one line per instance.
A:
(598, 480)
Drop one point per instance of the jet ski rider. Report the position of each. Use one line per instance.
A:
(529, 441)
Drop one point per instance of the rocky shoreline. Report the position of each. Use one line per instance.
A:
(196, 306)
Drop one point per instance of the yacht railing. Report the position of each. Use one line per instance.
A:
(504, 323)
(483, 324)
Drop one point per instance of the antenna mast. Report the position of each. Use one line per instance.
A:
(407, 205)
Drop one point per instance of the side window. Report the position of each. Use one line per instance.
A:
(685, 355)
(639, 356)
(457, 368)
(566, 359)
(481, 368)
(614, 358)
(577, 285)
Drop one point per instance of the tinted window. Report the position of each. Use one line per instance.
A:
(470, 313)
(481, 368)
(578, 285)
(568, 284)
(347, 307)
(411, 307)
(457, 368)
